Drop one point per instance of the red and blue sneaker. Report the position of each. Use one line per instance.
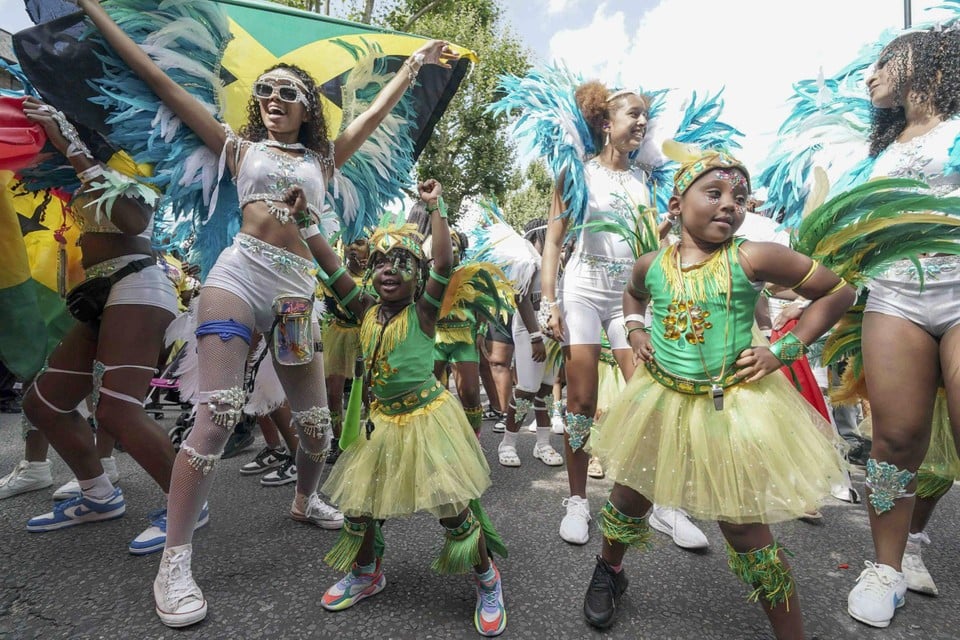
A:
(354, 587)
(490, 616)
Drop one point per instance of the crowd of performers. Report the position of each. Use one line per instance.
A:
(642, 296)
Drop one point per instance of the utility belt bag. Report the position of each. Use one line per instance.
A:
(292, 337)
(86, 301)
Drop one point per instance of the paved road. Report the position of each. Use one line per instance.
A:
(263, 573)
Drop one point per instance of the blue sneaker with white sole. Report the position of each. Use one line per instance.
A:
(79, 510)
(154, 537)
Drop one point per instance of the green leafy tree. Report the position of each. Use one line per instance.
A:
(532, 200)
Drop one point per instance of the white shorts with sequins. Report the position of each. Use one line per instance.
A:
(257, 272)
(149, 286)
(934, 307)
(591, 299)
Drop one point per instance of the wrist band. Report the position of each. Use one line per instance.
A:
(634, 317)
(308, 232)
(91, 173)
(632, 329)
(536, 335)
(788, 349)
(441, 206)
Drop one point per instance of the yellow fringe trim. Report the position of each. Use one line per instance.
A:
(697, 283)
(455, 335)
(402, 419)
(394, 334)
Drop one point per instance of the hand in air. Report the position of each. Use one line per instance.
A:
(430, 190)
(755, 363)
(438, 52)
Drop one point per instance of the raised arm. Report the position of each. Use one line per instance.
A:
(550, 263)
(428, 306)
(433, 52)
(175, 97)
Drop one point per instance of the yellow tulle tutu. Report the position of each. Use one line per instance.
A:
(426, 460)
(768, 456)
(341, 346)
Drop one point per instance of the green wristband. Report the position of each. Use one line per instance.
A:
(441, 206)
(439, 278)
(788, 349)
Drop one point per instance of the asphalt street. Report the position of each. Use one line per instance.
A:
(263, 574)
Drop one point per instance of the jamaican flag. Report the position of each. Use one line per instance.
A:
(59, 62)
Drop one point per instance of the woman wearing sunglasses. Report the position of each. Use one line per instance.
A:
(284, 144)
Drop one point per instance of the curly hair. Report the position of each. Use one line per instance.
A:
(931, 61)
(313, 133)
(593, 100)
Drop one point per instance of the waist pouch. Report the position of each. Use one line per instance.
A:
(86, 301)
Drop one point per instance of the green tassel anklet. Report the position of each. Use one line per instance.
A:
(765, 571)
(344, 552)
(461, 548)
(627, 530)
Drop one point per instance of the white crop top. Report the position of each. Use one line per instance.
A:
(923, 158)
(265, 174)
(614, 195)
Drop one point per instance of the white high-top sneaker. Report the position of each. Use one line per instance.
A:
(180, 602)
(26, 476)
(915, 571)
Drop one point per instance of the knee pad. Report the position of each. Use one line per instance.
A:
(461, 547)
(627, 530)
(578, 429)
(887, 484)
(315, 423)
(521, 407)
(201, 462)
(763, 570)
(225, 329)
(226, 405)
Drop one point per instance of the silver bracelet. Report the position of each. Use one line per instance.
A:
(413, 64)
(76, 146)
(536, 336)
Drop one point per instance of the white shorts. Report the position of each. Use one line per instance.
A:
(530, 375)
(257, 272)
(149, 286)
(935, 308)
(591, 299)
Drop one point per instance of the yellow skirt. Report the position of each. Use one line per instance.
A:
(426, 460)
(768, 456)
(341, 346)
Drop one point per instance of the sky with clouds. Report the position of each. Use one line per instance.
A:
(752, 49)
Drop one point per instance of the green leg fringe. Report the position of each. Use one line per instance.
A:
(931, 485)
(627, 530)
(474, 417)
(490, 536)
(344, 552)
(765, 571)
(461, 548)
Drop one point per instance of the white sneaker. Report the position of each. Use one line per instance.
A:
(676, 523)
(499, 426)
(319, 513)
(72, 488)
(532, 427)
(575, 526)
(915, 572)
(880, 590)
(180, 602)
(556, 425)
(26, 476)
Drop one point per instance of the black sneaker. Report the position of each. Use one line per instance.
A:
(603, 594)
(334, 453)
(284, 474)
(241, 438)
(267, 459)
(859, 453)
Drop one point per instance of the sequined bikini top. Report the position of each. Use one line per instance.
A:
(87, 219)
(924, 158)
(265, 174)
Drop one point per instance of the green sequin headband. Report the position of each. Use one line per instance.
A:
(709, 159)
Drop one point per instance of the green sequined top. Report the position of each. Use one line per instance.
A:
(402, 377)
(700, 314)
